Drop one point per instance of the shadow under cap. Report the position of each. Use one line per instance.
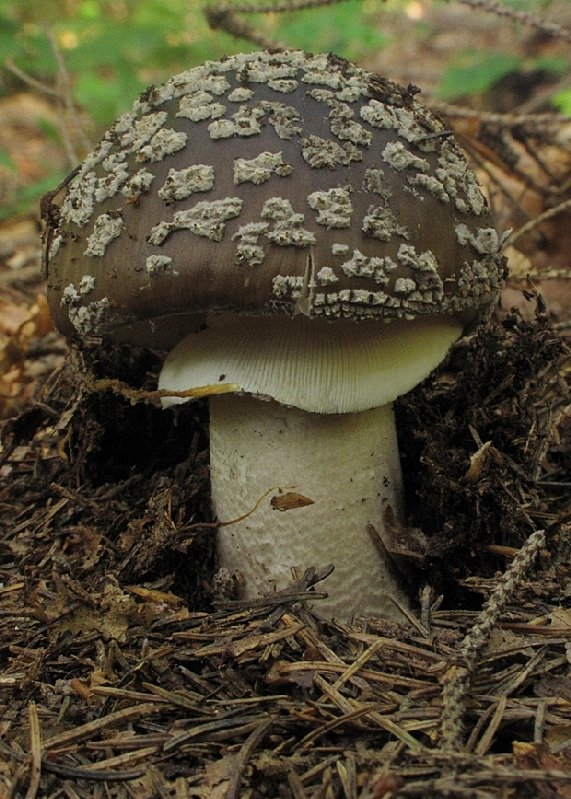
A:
(318, 366)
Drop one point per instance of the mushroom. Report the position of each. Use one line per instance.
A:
(306, 241)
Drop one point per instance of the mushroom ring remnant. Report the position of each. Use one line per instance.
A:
(310, 234)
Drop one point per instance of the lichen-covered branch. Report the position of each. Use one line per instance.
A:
(458, 676)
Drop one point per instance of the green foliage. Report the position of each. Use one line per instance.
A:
(562, 101)
(534, 6)
(5, 161)
(114, 48)
(350, 29)
(476, 72)
(48, 129)
(105, 98)
(9, 30)
(111, 48)
(28, 196)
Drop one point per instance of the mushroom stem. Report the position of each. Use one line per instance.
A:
(345, 468)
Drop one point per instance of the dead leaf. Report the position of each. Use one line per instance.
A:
(540, 758)
(152, 595)
(561, 617)
(19, 324)
(478, 462)
(218, 776)
(109, 614)
(290, 501)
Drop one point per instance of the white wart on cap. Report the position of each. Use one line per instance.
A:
(293, 204)
(269, 183)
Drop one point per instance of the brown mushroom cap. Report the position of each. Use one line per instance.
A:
(269, 183)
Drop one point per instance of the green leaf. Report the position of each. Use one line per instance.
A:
(476, 72)
(347, 28)
(29, 196)
(562, 101)
(554, 64)
(8, 44)
(107, 94)
(6, 161)
(49, 129)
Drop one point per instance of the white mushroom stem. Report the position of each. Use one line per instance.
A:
(342, 470)
(327, 434)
